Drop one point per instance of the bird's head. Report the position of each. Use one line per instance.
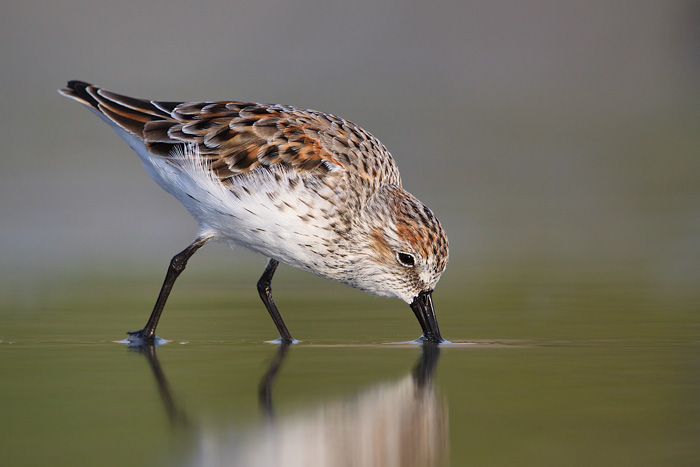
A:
(404, 253)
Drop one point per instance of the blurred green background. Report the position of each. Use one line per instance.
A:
(558, 143)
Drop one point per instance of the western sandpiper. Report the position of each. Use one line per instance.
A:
(301, 187)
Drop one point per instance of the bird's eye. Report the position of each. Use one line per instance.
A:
(406, 259)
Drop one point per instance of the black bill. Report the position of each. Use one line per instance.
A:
(422, 306)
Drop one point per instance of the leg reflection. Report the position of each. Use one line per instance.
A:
(176, 416)
(266, 382)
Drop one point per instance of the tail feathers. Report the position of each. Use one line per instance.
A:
(129, 113)
(78, 90)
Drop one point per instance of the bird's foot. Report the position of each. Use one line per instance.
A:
(431, 340)
(140, 339)
(283, 341)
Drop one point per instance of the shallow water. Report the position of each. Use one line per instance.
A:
(562, 368)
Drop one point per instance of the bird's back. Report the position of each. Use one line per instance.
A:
(235, 138)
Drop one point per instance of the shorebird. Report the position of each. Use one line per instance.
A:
(301, 187)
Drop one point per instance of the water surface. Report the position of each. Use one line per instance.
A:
(562, 369)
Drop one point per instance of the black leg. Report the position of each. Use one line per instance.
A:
(266, 295)
(177, 265)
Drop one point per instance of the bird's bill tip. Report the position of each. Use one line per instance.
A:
(422, 307)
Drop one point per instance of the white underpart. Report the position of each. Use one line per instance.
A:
(244, 214)
(251, 213)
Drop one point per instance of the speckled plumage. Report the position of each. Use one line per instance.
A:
(301, 187)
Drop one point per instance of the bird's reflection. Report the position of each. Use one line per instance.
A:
(397, 423)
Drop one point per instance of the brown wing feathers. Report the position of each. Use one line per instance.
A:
(234, 137)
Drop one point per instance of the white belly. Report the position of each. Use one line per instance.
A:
(276, 216)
